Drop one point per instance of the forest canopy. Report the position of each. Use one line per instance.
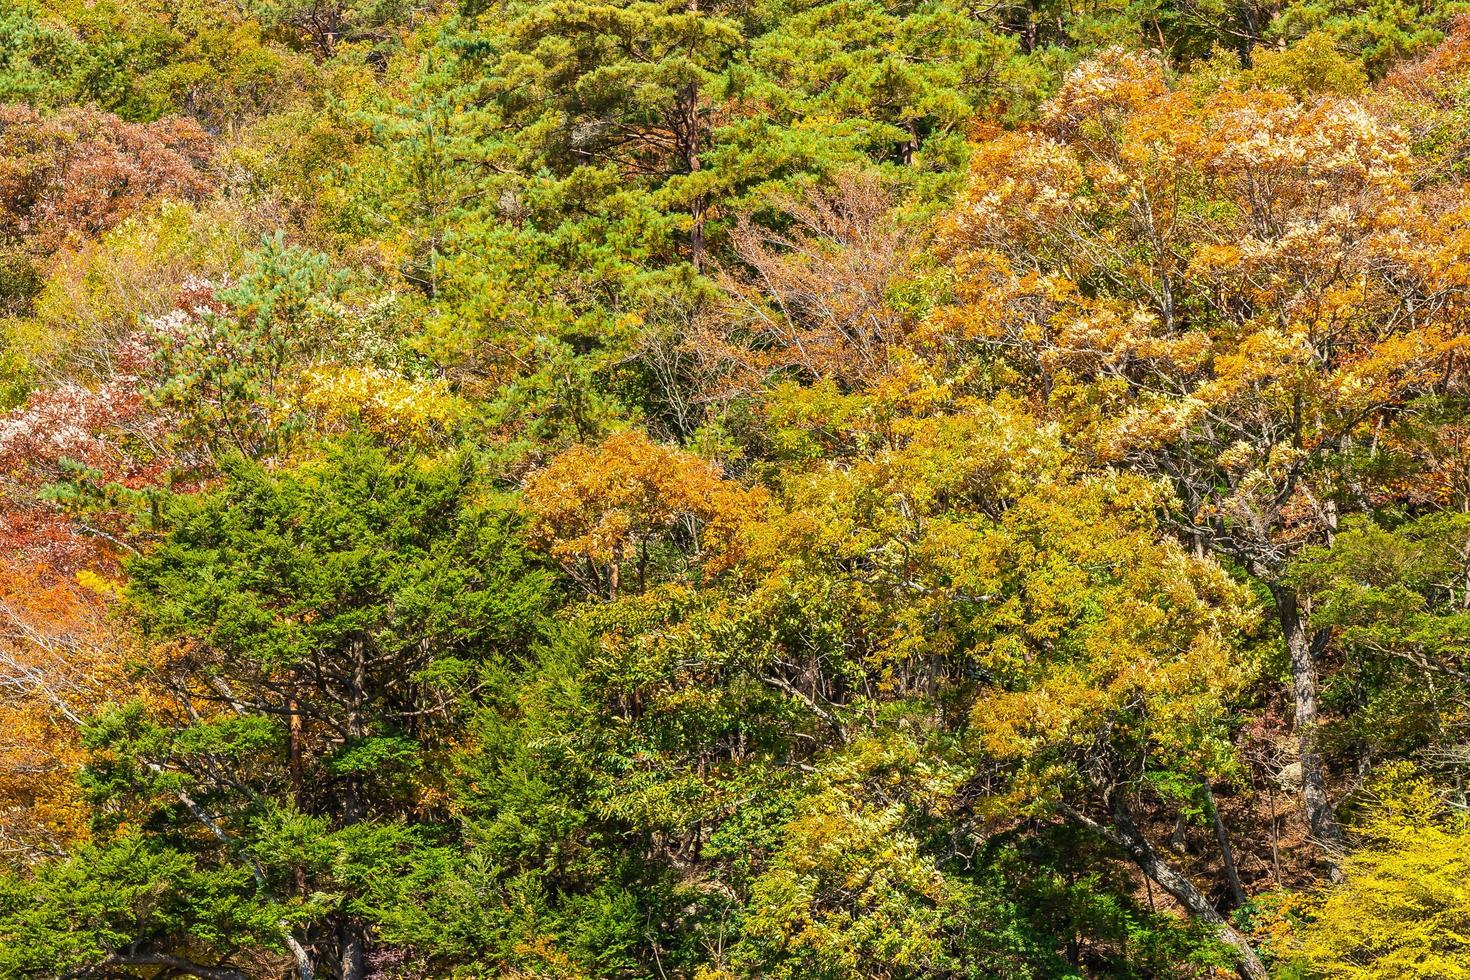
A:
(714, 489)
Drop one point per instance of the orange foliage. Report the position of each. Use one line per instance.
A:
(1226, 285)
(60, 660)
(1436, 77)
(634, 500)
(813, 299)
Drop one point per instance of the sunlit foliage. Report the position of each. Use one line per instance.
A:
(688, 489)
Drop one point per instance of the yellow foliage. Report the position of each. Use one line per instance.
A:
(1211, 274)
(849, 894)
(1404, 908)
(1112, 622)
(388, 404)
(1312, 65)
(596, 508)
(1116, 82)
(96, 291)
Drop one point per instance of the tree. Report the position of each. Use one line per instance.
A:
(1231, 291)
(558, 143)
(1379, 34)
(320, 632)
(634, 504)
(628, 85)
(1394, 599)
(704, 489)
(145, 59)
(813, 299)
(320, 26)
(79, 172)
(75, 461)
(963, 567)
(60, 663)
(1402, 907)
(128, 906)
(233, 363)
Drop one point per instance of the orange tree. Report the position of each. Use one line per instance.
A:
(635, 504)
(61, 661)
(1232, 288)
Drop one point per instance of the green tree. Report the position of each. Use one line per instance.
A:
(321, 633)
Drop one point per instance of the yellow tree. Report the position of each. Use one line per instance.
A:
(633, 505)
(1403, 909)
(959, 584)
(969, 562)
(1225, 286)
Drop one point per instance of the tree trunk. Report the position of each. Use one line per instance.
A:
(911, 145)
(689, 150)
(295, 764)
(1320, 815)
(1227, 853)
(1275, 832)
(352, 808)
(1125, 834)
(294, 761)
(351, 950)
(696, 233)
